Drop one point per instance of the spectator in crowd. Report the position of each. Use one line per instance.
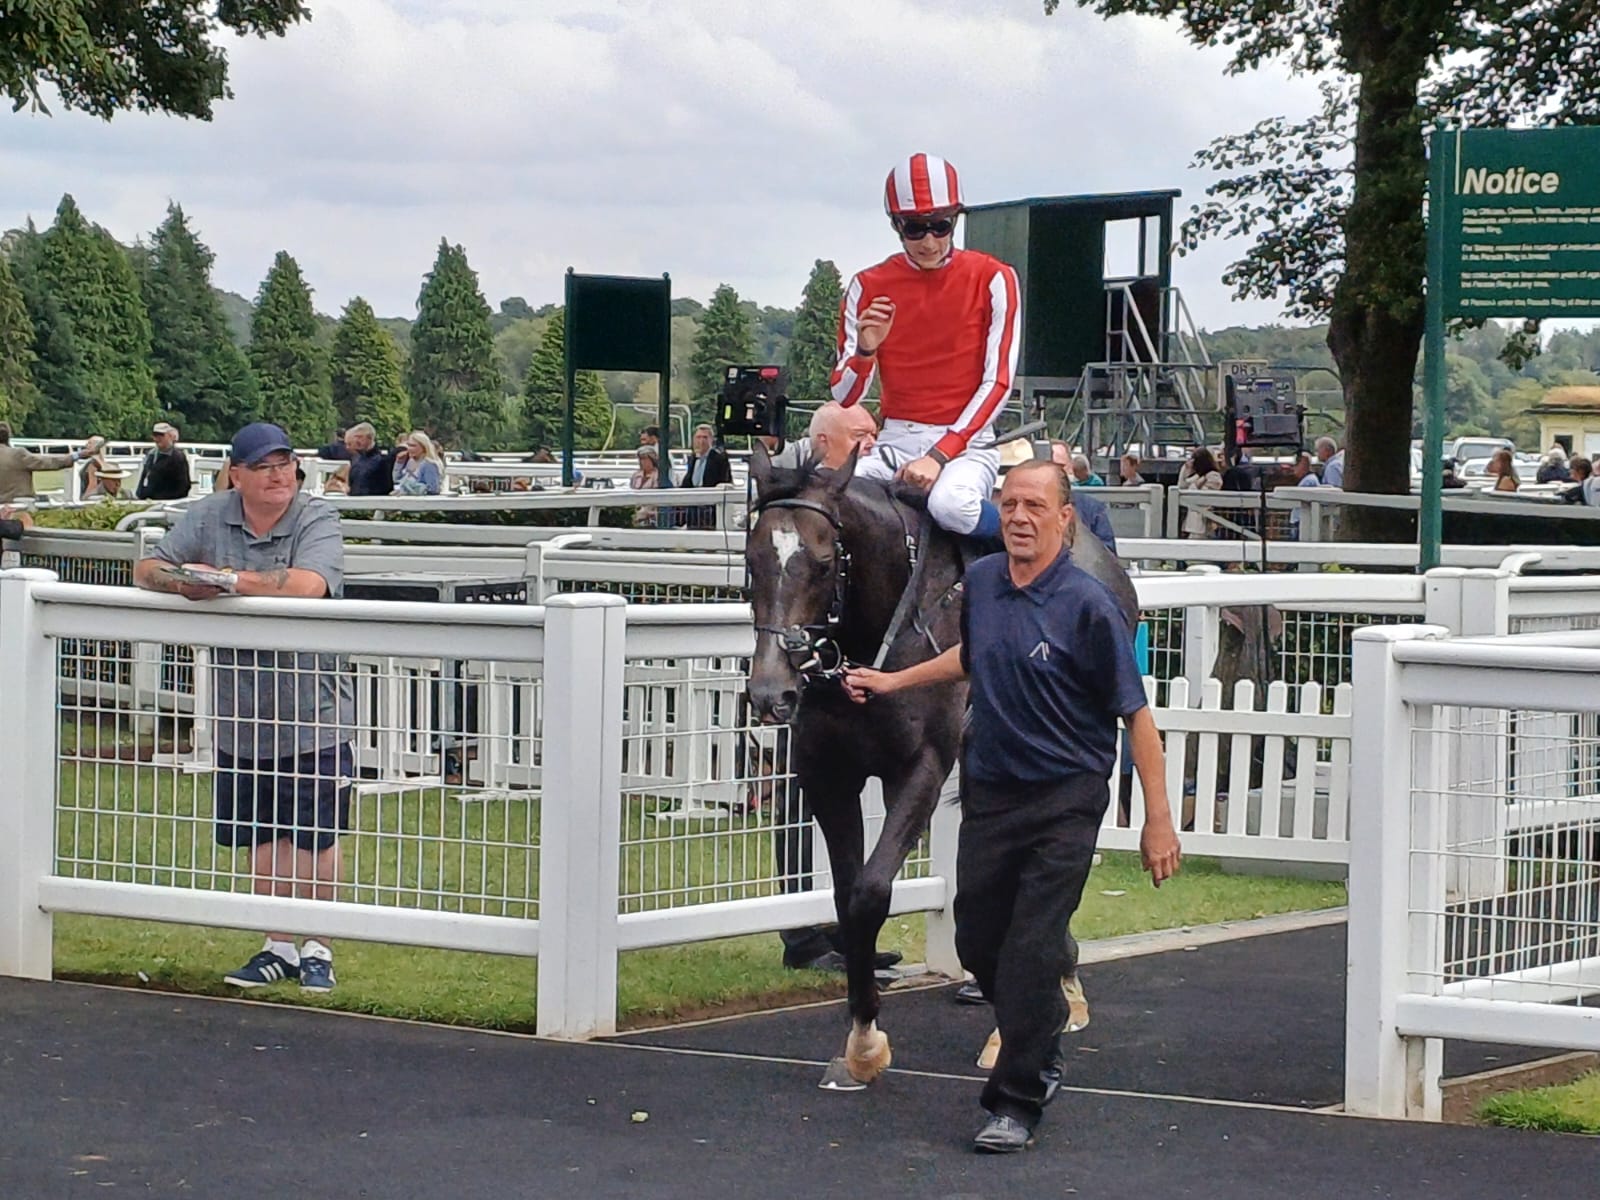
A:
(165, 474)
(543, 455)
(1553, 467)
(1304, 476)
(649, 473)
(1581, 471)
(282, 719)
(833, 433)
(102, 480)
(421, 471)
(222, 481)
(1450, 478)
(647, 476)
(1502, 469)
(708, 468)
(1332, 460)
(337, 450)
(1199, 474)
(371, 471)
(1084, 474)
(1091, 512)
(13, 521)
(1128, 471)
(1036, 761)
(1591, 488)
(17, 466)
(650, 435)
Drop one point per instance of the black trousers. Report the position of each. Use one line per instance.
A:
(1021, 867)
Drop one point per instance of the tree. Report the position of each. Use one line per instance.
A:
(724, 341)
(149, 56)
(366, 374)
(57, 368)
(1334, 202)
(815, 346)
(455, 383)
(91, 331)
(291, 368)
(544, 388)
(516, 345)
(203, 381)
(17, 392)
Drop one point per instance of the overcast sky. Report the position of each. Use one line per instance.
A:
(718, 140)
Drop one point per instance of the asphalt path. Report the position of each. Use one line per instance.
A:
(106, 1091)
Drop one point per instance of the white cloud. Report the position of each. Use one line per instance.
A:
(718, 140)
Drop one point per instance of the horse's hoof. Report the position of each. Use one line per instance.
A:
(991, 1051)
(867, 1055)
(1077, 1003)
(837, 1078)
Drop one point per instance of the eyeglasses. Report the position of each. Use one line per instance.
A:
(915, 231)
(273, 466)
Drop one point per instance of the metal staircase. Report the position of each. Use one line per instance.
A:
(1150, 391)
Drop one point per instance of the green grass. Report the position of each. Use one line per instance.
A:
(1571, 1108)
(498, 993)
(437, 849)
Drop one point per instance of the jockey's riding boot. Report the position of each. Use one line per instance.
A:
(986, 534)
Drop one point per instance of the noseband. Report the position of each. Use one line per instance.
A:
(814, 650)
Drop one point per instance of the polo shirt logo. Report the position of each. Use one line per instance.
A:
(1041, 651)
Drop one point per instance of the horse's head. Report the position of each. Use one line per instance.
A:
(798, 572)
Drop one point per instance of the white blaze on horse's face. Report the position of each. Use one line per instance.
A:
(785, 544)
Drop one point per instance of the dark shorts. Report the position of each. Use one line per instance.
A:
(304, 798)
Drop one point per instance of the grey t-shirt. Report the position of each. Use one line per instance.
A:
(270, 704)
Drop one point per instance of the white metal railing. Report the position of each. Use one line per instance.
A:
(608, 791)
(1474, 855)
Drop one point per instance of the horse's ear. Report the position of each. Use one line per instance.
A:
(839, 479)
(760, 467)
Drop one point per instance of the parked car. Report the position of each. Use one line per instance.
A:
(1466, 448)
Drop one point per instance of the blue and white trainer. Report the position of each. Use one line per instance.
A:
(265, 969)
(316, 974)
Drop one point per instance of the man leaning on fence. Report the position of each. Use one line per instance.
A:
(18, 465)
(283, 718)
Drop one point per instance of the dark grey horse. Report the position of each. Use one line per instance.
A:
(829, 559)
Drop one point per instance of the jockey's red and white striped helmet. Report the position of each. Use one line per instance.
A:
(920, 186)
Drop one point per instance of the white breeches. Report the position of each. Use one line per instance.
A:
(965, 483)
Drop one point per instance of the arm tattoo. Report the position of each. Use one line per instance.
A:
(277, 578)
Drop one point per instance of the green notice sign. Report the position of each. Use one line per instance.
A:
(1519, 219)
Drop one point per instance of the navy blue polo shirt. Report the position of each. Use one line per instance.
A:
(1052, 669)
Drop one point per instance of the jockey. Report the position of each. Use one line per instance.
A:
(942, 326)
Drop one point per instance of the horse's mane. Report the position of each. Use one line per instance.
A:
(877, 495)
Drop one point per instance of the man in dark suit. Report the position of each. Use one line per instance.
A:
(708, 468)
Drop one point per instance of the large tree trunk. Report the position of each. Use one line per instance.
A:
(1375, 328)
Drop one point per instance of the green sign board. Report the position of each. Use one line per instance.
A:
(618, 323)
(1513, 231)
(1519, 215)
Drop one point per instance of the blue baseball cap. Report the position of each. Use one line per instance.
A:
(255, 441)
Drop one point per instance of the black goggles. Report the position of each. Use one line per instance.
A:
(914, 230)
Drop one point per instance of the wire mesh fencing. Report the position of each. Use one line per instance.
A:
(712, 810)
(1506, 851)
(236, 769)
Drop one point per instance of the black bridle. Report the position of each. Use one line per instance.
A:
(814, 650)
